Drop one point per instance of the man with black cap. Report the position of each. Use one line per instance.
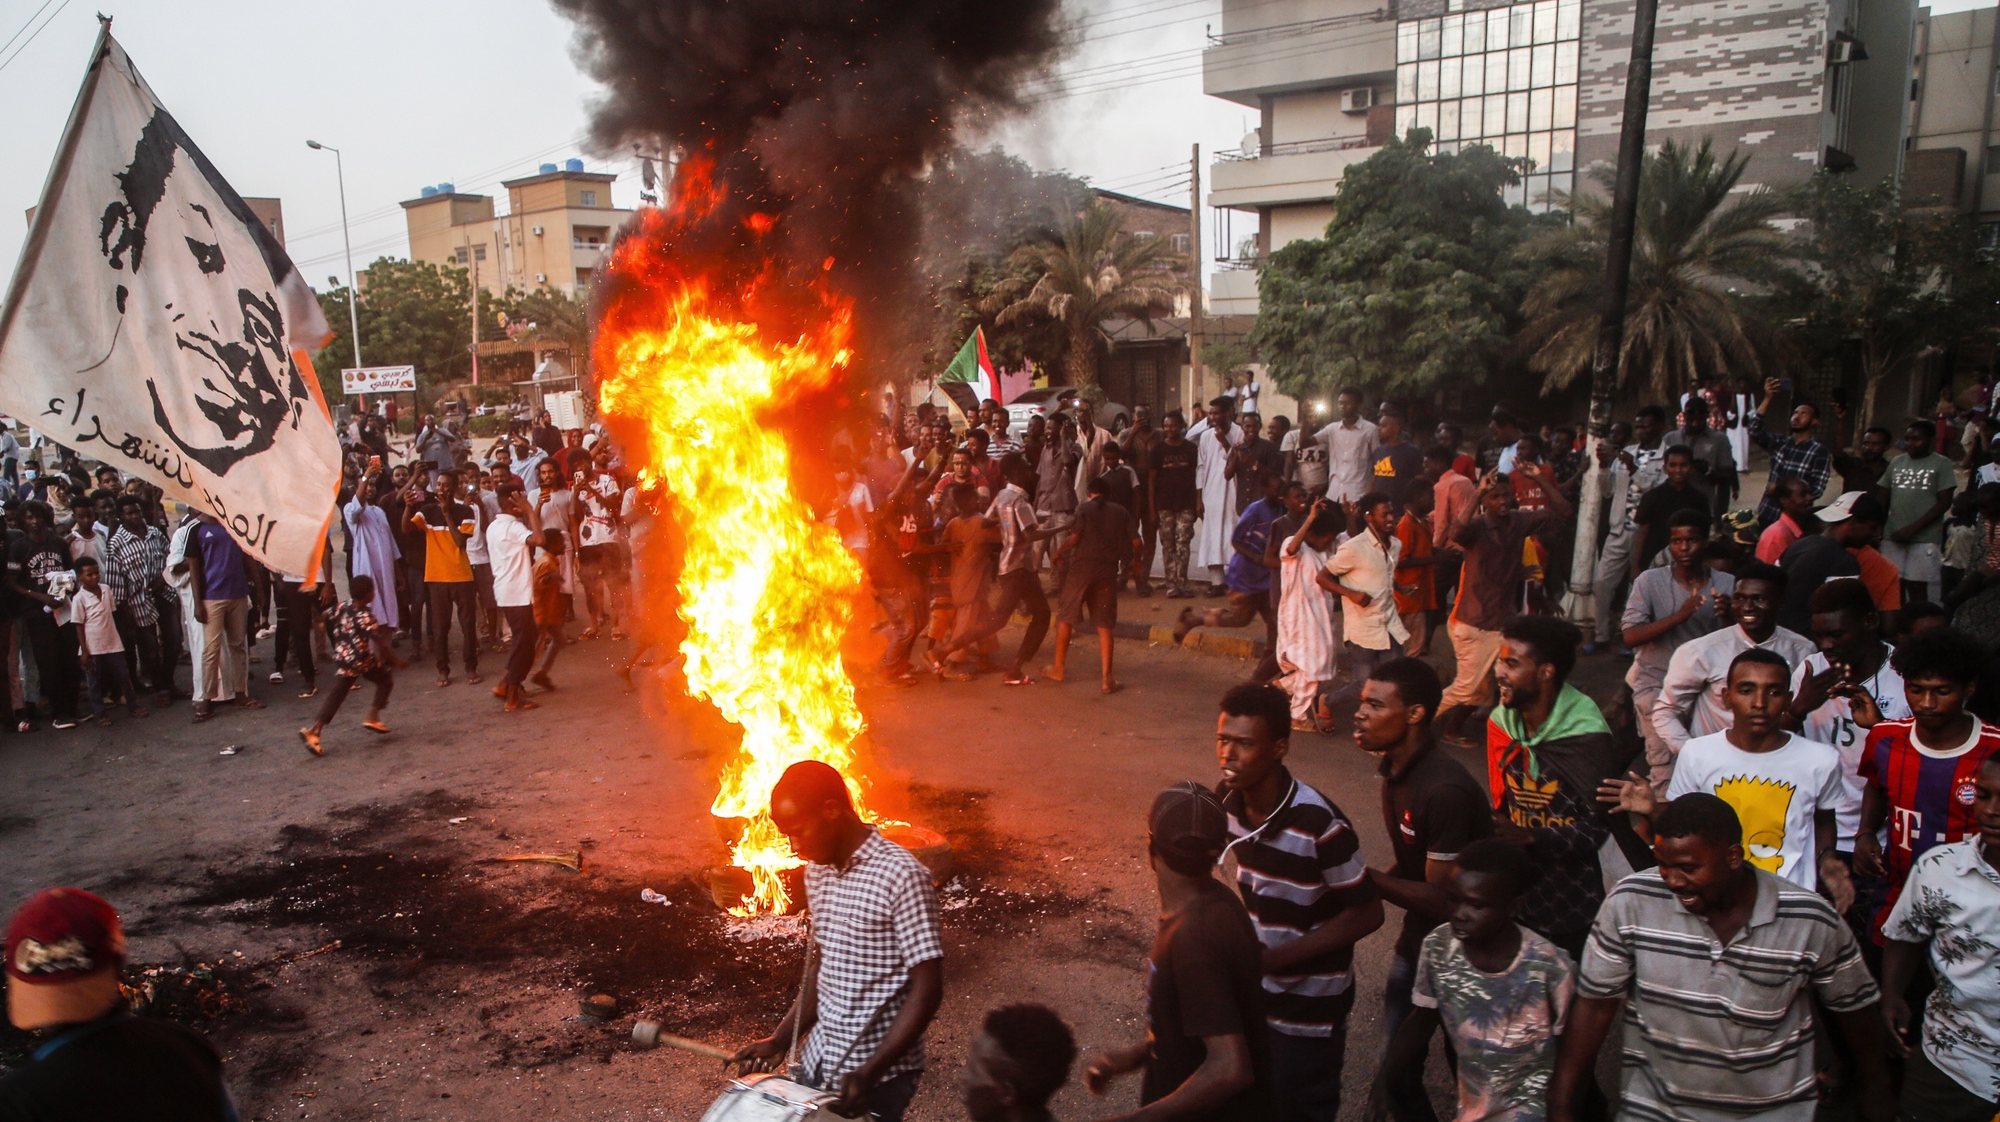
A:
(1205, 1055)
(94, 1059)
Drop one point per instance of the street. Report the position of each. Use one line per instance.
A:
(454, 991)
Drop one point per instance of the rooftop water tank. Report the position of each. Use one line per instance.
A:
(427, 192)
(548, 169)
(447, 188)
(572, 164)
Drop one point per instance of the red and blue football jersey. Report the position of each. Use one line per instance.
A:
(1929, 793)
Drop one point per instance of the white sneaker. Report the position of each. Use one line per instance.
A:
(277, 677)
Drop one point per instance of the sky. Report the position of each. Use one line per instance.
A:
(471, 92)
(475, 91)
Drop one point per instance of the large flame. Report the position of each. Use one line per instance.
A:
(691, 379)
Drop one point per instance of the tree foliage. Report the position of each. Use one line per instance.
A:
(1415, 282)
(979, 207)
(1089, 271)
(419, 314)
(1886, 282)
(1700, 252)
(412, 313)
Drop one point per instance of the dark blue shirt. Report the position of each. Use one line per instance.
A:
(223, 574)
(1253, 532)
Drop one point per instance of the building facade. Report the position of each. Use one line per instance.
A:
(558, 224)
(1954, 153)
(1796, 84)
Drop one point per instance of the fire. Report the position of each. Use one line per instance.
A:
(691, 377)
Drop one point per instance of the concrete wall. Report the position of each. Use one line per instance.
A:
(1750, 74)
(1955, 88)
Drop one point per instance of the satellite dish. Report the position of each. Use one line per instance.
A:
(1253, 143)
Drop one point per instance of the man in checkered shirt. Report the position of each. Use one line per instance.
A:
(877, 976)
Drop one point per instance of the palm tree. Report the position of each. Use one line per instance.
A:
(1081, 275)
(1697, 256)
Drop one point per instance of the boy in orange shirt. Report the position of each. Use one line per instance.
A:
(548, 606)
(1416, 571)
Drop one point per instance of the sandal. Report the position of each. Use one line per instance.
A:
(309, 691)
(471, 678)
(521, 703)
(312, 741)
(248, 702)
(376, 727)
(444, 680)
(203, 712)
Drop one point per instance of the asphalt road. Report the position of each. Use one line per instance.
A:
(454, 991)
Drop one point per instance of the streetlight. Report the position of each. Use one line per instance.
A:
(353, 315)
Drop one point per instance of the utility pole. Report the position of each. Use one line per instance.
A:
(1194, 279)
(475, 321)
(1581, 604)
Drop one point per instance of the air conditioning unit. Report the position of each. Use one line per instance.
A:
(1844, 49)
(541, 278)
(535, 230)
(1357, 101)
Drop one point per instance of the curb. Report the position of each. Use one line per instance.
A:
(1201, 641)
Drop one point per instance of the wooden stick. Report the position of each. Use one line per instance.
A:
(669, 1040)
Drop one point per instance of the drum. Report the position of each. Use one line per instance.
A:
(771, 1098)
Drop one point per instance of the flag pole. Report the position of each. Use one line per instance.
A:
(38, 230)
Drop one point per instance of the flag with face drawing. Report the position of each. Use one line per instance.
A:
(155, 324)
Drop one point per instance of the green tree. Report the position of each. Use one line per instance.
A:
(1087, 272)
(554, 319)
(1886, 282)
(1415, 282)
(1699, 255)
(979, 207)
(412, 313)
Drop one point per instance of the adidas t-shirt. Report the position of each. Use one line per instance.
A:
(1774, 793)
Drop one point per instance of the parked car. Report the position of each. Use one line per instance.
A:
(1043, 400)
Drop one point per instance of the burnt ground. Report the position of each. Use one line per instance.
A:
(339, 929)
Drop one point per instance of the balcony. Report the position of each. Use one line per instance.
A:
(1303, 171)
(1306, 56)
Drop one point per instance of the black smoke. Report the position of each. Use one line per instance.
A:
(826, 113)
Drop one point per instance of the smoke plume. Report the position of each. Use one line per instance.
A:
(824, 113)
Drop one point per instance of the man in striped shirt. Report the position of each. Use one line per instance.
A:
(1718, 965)
(1299, 867)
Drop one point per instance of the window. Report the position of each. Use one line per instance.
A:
(479, 252)
(462, 255)
(1181, 242)
(1506, 77)
(590, 198)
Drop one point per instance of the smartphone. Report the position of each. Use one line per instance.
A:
(375, 463)
(1785, 384)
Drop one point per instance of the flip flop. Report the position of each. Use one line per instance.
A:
(376, 727)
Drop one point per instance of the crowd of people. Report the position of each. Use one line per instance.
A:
(440, 553)
(1772, 856)
(1770, 846)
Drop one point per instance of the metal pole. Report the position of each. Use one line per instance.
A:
(1195, 325)
(1581, 604)
(347, 244)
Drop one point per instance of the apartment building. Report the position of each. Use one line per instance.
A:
(1790, 82)
(1954, 149)
(559, 222)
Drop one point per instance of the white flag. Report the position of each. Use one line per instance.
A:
(156, 325)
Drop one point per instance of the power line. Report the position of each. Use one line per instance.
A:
(9, 61)
(24, 26)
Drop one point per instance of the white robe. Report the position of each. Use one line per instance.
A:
(375, 555)
(1308, 646)
(1218, 500)
(1306, 640)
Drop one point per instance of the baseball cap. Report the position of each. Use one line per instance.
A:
(1187, 822)
(1852, 504)
(64, 947)
(1741, 525)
